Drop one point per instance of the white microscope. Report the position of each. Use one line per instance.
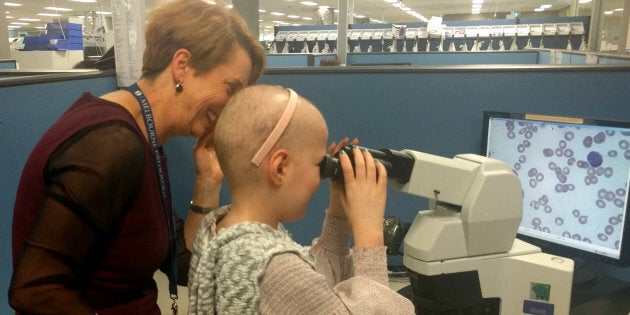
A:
(462, 254)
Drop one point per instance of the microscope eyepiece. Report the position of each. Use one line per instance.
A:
(398, 164)
(330, 167)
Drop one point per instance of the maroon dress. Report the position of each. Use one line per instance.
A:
(89, 231)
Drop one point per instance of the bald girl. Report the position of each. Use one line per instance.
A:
(270, 142)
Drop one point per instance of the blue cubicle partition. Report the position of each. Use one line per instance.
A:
(569, 58)
(8, 64)
(434, 109)
(28, 107)
(521, 57)
(605, 59)
(445, 58)
(409, 58)
(290, 60)
(566, 57)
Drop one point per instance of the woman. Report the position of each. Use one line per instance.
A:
(92, 220)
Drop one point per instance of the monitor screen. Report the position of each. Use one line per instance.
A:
(574, 174)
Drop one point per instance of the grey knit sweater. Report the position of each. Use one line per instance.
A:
(227, 269)
(279, 277)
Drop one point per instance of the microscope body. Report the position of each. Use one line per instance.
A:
(462, 254)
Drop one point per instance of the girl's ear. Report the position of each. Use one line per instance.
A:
(277, 166)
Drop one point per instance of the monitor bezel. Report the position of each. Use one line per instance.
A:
(551, 247)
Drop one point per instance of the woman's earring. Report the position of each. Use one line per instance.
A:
(178, 87)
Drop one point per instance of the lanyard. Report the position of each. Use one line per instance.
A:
(147, 114)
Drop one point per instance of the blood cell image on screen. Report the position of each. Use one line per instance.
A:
(574, 177)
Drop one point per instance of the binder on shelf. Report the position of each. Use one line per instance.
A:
(423, 32)
(577, 28)
(311, 36)
(535, 29)
(323, 35)
(522, 30)
(496, 30)
(354, 34)
(472, 31)
(367, 34)
(563, 28)
(549, 29)
(509, 30)
(459, 31)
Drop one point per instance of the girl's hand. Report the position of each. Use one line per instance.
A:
(335, 207)
(364, 197)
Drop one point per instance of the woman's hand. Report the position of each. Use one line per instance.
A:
(364, 197)
(206, 162)
(207, 185)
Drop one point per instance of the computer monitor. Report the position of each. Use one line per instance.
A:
(574, 173)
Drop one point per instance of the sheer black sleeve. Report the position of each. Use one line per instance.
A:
(91, 179)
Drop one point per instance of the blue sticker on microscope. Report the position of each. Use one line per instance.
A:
(537, 308)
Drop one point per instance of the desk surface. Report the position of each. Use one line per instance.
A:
(616, 303)
(603, 296)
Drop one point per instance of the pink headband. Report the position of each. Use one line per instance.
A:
(277, 131)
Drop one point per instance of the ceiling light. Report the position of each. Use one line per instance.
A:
(262, 11)
(476, 6)
(293, 16)
(477, 2)
(539, 9)
(277, 13)
(546, 6)
(307, 18)
(20, 23)
(103, 12)
(584, 1)
(86, 1)
(618, 10)
(29, 20)
(57, 9)
(12, 4)
(608, 12)
(49, 14)
(309, 3)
